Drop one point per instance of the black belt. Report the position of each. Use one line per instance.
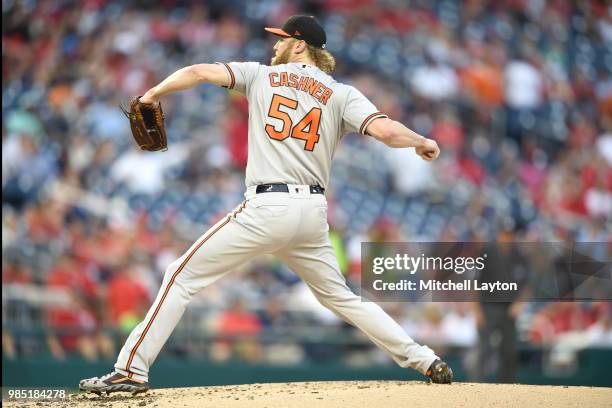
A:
(283, 188)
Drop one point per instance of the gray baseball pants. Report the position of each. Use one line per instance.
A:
(292, 226)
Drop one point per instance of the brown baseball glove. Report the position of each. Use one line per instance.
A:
(147, 123)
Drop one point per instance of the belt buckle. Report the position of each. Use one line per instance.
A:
(298, 191)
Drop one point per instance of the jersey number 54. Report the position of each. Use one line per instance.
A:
(306, 129)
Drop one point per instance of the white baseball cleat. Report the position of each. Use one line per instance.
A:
(113, 382)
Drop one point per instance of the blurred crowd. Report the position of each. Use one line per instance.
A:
(518, 95)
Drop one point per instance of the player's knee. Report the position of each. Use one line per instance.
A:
(172, 269)
(340, 298)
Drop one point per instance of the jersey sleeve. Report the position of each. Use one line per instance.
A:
(241, 75)
(359, 112)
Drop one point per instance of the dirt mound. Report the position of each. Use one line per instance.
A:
(343, 394)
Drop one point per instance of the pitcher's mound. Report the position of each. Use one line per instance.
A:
(344, 394)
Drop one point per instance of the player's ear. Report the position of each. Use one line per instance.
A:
(299, 46)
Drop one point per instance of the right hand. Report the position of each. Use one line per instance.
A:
(429, 150)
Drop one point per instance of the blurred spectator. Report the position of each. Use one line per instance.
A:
(105, 121)
(524, 92)
(435, 80)
(556, 319)
(459, 326)
(26, 167)
(274, 316)
(144, 173)
(76, 325)
(16, 273)
(237, 131)
(238, 321)
(237, 330)
(127, 300)
(524, 83)
(482, 79)
(403, 163)
(496, 319)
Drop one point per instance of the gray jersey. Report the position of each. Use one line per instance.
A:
(297, 115)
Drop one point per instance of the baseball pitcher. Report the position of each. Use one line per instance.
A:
(297, 115)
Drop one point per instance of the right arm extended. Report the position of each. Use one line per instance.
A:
(395, 134)
(187, 78)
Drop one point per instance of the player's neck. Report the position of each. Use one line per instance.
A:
(302, 59)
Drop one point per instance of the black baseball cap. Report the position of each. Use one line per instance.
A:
(302, 27)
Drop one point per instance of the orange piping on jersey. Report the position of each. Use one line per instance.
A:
(368, 119)
(232, 77)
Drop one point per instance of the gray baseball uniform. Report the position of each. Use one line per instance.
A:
(297, 115)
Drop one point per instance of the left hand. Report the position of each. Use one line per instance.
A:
(429, 150)
(149, 97)
(147, 123)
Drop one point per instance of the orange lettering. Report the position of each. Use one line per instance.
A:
(328, 92)
(273, 81)
(320, 88)
(275, 112)
(293, 80)
(310, 121)
(283, 79)
(303, 83)
(312, 86)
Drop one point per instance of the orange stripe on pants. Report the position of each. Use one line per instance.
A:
(180, 268)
